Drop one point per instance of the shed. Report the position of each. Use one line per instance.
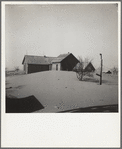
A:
(89, 68)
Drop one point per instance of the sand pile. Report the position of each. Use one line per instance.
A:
(61, 90)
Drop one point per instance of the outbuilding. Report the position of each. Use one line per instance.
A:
(89, 68)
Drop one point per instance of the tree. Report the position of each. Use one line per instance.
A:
(80, 68)
(114, 70)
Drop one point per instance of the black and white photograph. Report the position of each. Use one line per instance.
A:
(61, 58)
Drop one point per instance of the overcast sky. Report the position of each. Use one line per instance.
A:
(82, 29)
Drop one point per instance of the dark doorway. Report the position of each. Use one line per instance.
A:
(56, 66)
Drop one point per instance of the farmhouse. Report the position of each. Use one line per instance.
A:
(43, 63)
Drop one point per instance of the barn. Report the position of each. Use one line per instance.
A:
(33, 64)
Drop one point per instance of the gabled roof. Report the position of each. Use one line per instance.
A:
(60, 58)
(89, 66)
(30, 59)
(37, 59)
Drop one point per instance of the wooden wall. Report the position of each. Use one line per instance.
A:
(69, 63)
(37, 68)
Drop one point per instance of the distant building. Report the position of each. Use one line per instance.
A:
(33, 64)
(109, 72)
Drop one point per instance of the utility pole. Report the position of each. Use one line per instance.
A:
(101, 69)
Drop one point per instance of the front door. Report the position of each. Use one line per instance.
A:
(56, 66)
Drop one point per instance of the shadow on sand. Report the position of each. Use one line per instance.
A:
(96, 81)
(22, 105)
(105, 108)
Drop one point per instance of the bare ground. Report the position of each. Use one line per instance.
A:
(61, 90)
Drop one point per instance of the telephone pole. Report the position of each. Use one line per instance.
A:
(101, 69)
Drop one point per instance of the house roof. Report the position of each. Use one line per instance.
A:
(89, 66)
(60, 58)
(37, 59)
(30, 59)
(86, 66)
